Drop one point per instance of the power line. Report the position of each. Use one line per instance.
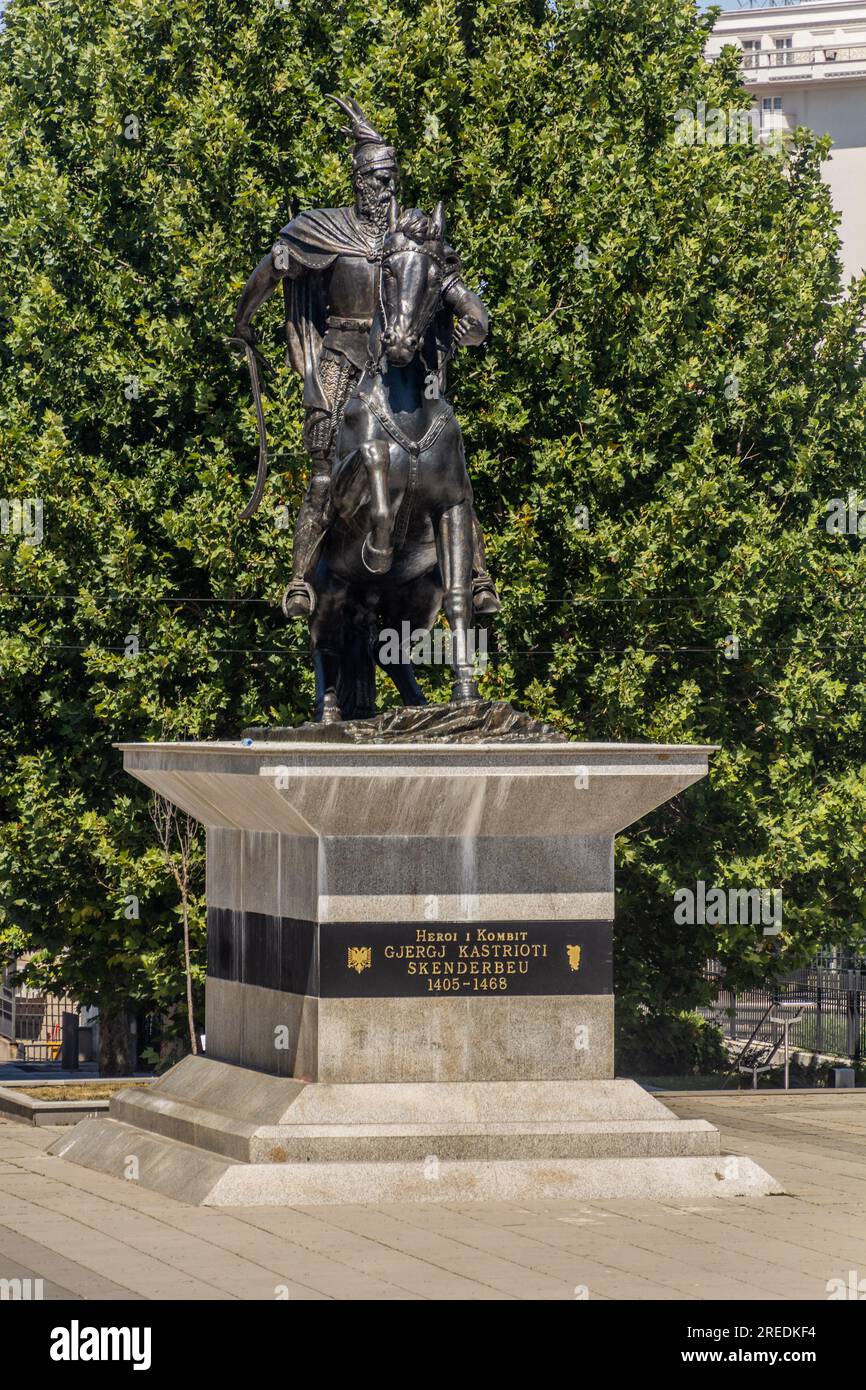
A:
(269, 603)
(718, 650)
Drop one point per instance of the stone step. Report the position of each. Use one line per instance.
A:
(180, 1171)
(205, 1129)
(423, 1143)
(473, 1139)
(160, 1165)
(256, 1098)
(255, 1118)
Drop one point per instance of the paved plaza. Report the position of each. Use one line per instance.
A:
(91, 1237)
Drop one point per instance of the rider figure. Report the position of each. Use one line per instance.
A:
(329, 260)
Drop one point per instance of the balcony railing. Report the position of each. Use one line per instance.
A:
(804, 57)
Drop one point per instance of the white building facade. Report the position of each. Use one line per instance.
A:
(806, 65)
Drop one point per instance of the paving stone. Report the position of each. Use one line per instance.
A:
(91, 1236)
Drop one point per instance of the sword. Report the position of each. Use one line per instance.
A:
(262, 470)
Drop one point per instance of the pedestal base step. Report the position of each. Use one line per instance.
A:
(215, 1134)
(190, 1175)
(255, 1118)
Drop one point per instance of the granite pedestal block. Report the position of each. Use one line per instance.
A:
(409, 971)
(411, 958)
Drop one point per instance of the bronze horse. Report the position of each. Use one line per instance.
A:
(399, 546)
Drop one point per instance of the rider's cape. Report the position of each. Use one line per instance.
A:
(315, 239)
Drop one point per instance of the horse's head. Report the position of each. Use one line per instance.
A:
(413, 263)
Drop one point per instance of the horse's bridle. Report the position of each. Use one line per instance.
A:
(376, 365)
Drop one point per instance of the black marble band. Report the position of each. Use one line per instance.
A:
(346, 960)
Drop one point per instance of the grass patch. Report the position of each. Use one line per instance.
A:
(85, 1090)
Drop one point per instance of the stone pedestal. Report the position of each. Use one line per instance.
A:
(410, 987)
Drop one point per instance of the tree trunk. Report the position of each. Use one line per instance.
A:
(116, 1054)
(187, 961)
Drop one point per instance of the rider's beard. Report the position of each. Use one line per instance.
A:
(373, 203)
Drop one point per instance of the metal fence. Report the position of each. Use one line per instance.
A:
(39, 1023)
(833, 1022)
(7, 1004)
(804, 57)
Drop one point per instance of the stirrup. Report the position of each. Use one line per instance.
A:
(299, 600)
(485, 599)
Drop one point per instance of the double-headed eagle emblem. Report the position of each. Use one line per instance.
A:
(360, 958)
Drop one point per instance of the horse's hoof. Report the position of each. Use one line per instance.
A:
(464, 692)
(299, 601)
(376, 561)
(485, 599)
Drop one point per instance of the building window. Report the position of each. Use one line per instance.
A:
(783, 52)
(770, 107)
(751, 49)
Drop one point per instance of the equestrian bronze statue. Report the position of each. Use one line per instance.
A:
(387, 534)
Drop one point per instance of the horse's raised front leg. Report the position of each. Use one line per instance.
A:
(377, 551)
(455, 546)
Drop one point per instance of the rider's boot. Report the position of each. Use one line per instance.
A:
(299, 599)
(485, 599)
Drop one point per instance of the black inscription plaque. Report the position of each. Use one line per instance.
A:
(474, 960)
(356, 960)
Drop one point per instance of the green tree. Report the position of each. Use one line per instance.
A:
(671, 351)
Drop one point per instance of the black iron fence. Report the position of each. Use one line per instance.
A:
(7, 1004)
(38, 1024)
(834, 1014)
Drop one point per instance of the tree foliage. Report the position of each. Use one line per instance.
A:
(671, 350)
